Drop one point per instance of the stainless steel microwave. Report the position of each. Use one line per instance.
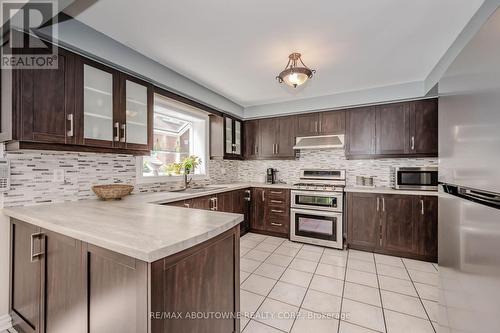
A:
(415, 178)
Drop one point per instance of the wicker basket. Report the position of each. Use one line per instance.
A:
(112, 192)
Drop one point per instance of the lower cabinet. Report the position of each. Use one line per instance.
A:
(402, 225)
(61, 285)
(271, 211)
(237, 202)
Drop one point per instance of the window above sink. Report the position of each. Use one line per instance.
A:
(179, 131)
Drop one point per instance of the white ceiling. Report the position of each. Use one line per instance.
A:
(236, 48)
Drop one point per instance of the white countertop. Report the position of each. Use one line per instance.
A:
(136, 226)
(388, 190)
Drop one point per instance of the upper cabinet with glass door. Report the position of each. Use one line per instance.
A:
(96, 84)
(232, 138)
(115, 108)
(136, 107)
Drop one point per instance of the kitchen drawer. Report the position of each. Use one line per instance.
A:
(278, 204)
(278, 223)
(278, 212)
(278, 194)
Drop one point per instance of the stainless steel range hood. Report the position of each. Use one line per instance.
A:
(319, 142)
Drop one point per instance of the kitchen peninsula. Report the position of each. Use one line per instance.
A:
(123, 266)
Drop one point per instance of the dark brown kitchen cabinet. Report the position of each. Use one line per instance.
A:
(97, 119)
(135, 113)
(321, 123)
(423, 135)
(392, 126)
(426, 210)
(113, 109)
(237, 202)
(277, 137)
(251, 141)
(268, 132)
(286, 137)
(307, 124)
(360, 130)
(224, 202)
(408, 129)
(117, 282)
(44, 102)
(400, 225)
(59, 285)
(363, 225)
(257, 222)
(271, 211)
(26, 277)
(233, 138)
(82, 105)
(332, 122)
(399, 229)
(47, 279)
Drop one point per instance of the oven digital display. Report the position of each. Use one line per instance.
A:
(314, 200)
(316, 226)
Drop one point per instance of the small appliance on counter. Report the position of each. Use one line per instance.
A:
(271, 176)
(362, 181)
(415, 178)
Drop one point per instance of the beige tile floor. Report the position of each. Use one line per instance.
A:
(299, 288)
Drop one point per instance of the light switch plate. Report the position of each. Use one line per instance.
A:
(4, 175)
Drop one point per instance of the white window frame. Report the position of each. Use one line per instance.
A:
(192, 112)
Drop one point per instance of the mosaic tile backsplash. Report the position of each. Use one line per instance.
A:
(289, 170)
(32, 172)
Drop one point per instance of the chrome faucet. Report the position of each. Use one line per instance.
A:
(186, 180)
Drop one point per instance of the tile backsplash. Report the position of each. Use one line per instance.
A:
(32, 172)
(289, 170)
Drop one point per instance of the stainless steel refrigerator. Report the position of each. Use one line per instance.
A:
(469, 200)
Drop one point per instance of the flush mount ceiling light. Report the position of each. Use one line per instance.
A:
(294, 75)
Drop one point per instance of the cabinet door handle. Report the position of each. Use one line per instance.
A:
(256, 150)
(316, 126)
(248, 195)
(186, 205)
(277, 149)
(263, 197)
(34, 256)
(276, 192)
(276, 224)
(383, 204)
(71, 125)
(117, 129)
(216, 203)
(422, 210)
(412, 143)
(124, 133)
(378, 204)
(277, 211)
(320, 125)
(277, 201)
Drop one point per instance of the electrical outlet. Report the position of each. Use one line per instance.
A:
(59, 175)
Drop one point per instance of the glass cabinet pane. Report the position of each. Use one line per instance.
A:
(97, 104)
(137, 113)
(229, 136)
(237, 137)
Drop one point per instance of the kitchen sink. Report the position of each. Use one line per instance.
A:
(199, 189)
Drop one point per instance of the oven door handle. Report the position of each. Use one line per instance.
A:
(316, 212)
